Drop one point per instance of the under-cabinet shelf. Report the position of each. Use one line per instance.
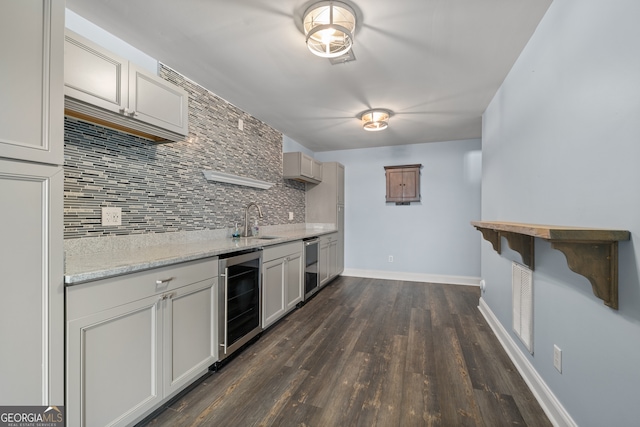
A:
(590, 252)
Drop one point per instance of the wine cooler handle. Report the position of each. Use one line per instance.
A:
(226, 308)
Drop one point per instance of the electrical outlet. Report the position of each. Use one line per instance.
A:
(290, 216)
(111, 216)
(240, 124)
(557, 358)
(390, 258)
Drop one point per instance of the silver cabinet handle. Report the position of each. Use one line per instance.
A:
(226, 307)
(164, 281)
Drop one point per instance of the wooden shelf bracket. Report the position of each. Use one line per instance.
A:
(592, 253)
(493, 237)
(522, 244)
(598, 262)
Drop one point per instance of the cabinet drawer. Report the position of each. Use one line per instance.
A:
(328, 238)
(89, 298)
(280, 251)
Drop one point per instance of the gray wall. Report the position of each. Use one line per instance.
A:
(432, 237)
(561, 146)
(160, 187)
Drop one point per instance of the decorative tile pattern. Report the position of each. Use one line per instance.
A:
(161, 188)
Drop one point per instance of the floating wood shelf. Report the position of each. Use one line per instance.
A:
(590, 252)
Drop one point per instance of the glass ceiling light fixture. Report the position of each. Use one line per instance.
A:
(376, 119)
(329, 28)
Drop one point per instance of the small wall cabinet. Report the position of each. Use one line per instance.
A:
(299, 166)
(282, 284)
(104, 88)
(403, 184)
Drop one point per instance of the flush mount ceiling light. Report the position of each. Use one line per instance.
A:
(329, 28)
(376, 119)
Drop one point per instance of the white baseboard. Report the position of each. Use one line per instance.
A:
(412, 277)
(557, 414)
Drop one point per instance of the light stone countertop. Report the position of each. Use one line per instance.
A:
(98, 258)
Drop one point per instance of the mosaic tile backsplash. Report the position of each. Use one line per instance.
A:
(161, 188)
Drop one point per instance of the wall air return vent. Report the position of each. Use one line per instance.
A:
(522, 303)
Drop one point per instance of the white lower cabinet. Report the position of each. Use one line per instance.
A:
(113, 357)
(323, 261)
(282, 285)
(134, 341)
(328, 258)
(187, 334)
(294, 283)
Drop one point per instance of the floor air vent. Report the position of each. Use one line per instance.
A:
(522, 288)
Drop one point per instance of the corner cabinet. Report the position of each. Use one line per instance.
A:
(282, 285)
(403, 184)
(135, 341)
(104, 88)
(299, 166)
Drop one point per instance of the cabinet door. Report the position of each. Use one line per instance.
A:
(189, 340)
(410, 185)
(32, 303)
(323, 261)
(333, 258)
(95, 75)
(31, 108)
(317, 170)
(114, 359)
(395, 183)
(273, 287)
(306, 166)
(157, 102)
(340, 239)
(294, 280)
(340, 184)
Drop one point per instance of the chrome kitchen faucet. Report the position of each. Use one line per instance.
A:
(245, 232)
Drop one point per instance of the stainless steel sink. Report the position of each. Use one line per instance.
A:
(264, 237)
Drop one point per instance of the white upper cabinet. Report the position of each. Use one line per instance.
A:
(105, 88)
(297, 165)
(156, 101)
(95, 75)
(31, 47)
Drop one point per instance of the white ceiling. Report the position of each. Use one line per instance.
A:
(435, 63)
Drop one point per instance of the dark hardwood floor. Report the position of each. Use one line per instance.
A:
(367, 352)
